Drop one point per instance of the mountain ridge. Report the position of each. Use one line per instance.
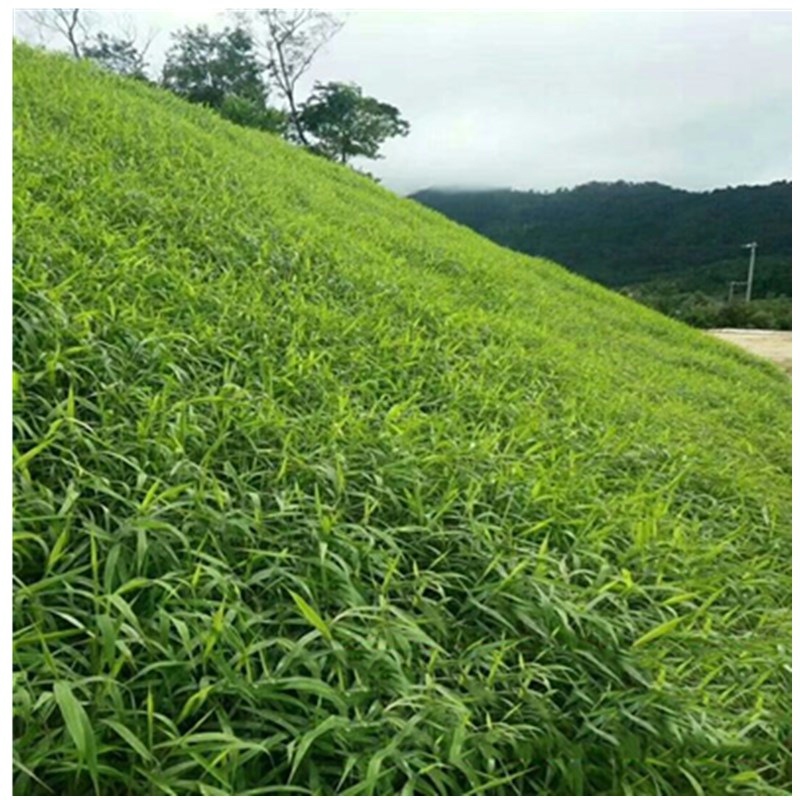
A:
(622, 233)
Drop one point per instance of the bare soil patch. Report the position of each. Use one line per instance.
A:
(774, 345)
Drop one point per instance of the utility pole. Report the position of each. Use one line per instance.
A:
(752, 247)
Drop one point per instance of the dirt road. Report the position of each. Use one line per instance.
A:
(774, 345)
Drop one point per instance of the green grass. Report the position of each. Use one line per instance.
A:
(318, 493)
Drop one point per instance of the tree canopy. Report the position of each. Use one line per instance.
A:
(117, 54)
(206, 67)
(344, 123)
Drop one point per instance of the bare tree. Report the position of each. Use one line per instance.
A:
(71, 23)
(119, 53)
(292, 38)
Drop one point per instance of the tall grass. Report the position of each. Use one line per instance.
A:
(318, 493)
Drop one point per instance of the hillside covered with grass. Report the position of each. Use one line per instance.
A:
(316, 492)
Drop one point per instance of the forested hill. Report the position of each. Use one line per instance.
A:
(626, 233)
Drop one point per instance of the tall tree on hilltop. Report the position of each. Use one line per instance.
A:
(223, 71)
(207, 67)
(346, 124)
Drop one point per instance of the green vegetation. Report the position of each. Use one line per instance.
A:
(345, 124)
(224, 71)
(702, 298)
(236, 71)
(674, 250)
(318, 492)
(703, 311)
(115, 53)
(221, 71)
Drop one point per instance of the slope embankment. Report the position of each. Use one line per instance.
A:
(316, 492)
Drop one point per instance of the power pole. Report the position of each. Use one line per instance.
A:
(752, 247)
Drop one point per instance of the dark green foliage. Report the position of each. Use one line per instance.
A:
(253, 114)
(318, 493)
(206, 67)
(117, 54)
(342, 123)
(222, 70)
(772, 276)
(704, 311)
(622, 234)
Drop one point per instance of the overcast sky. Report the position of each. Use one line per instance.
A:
(541, 100)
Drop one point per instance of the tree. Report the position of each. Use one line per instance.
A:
(291, 39)
(67, 22)
(251, 114)
(117, 54)
(345, 123)
(207, 67)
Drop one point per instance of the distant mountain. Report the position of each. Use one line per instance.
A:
(621, 234)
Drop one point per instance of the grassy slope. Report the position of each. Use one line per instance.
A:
(316, 489)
